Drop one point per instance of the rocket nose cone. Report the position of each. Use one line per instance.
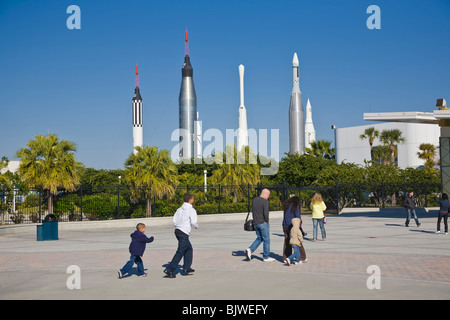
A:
(295, 60)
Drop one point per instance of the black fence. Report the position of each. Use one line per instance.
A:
(122, 202)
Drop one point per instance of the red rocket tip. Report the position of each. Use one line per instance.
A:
(137, 70)
(186, 36)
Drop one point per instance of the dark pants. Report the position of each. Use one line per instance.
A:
(184, 251)
(133, 259)
(440, 216)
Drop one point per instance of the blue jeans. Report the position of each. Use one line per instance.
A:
(133, 259)
(262, 235)
(322, 228)
(295, 255)
(408, 215)
(184, 251)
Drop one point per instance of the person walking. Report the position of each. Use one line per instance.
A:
(260, 212)
(291, 210)
(184, 219)
(318, 207)
(410, 209)
(296, 241)
(137, 247)
(443, 212)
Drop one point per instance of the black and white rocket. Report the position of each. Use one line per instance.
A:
(137, 115)
(190, 138)
(296, 113)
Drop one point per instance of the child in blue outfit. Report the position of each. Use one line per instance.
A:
(137, 247)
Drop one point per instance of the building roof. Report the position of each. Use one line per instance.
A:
(410, 116)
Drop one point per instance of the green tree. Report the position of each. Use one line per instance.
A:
(347, 176)
(370, 134)
(150, 173)
(392, 138)
(48, 163)
(300, 170)
(427, 153)
(321, 149)
(238, 168)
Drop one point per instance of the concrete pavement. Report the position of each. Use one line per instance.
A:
(413, 262)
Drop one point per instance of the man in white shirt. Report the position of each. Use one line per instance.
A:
(184, 219)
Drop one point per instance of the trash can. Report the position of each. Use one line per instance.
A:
(48, 230)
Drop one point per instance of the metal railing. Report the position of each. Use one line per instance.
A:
(121, 202)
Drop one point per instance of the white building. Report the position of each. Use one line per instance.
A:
(416, 128)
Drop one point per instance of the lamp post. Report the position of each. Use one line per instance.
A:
(204, 174)
(118, 198)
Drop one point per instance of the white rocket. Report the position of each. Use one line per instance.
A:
(310, 133)
(198, 138)
(296, 114)
(242, 130)
(137, 116)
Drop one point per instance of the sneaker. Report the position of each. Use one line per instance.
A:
(120, 274)
(418, 224)
(297, 262)
(142, 275)
(248, 253)
(288, 262)
(303, 261)
(437, 232)
(190, 270)
(269, 259)
(169, 273)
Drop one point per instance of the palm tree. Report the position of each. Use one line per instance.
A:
(238, 168)
(370, 134)
(390, 138)
(151, 173)
(428, 154)
(48, 163)
(320, 148)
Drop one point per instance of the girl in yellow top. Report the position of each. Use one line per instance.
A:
(318, 207)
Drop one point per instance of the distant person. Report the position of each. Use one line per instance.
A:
(291, 210)
(410, 208)
(184, 219)
(137, 247)
(296, 241)
(318, 207)
(443, 212)
(260, 212)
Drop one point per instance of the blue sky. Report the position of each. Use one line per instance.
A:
(78, 84)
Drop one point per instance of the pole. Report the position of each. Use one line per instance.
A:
(118, 199)
(205, 172)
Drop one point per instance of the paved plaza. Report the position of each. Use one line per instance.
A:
(413, 262)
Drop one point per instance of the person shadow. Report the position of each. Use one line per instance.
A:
(133, 272)
(178, 270)
(241, 253)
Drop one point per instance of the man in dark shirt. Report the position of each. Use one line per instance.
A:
(260, 212)
(410, 209)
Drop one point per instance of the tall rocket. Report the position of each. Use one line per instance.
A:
(310, 132)
(187, 106)
(296, 114)
(137, 115)
(242, 130)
